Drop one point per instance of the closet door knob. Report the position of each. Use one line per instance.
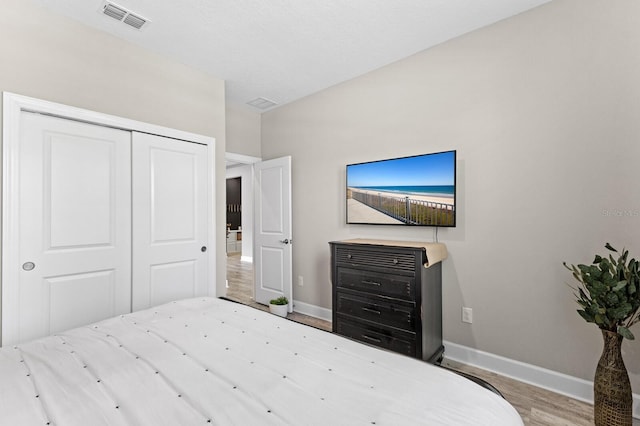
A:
(28, 266)
(203, 249)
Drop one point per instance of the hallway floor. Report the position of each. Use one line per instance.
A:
(240, 289)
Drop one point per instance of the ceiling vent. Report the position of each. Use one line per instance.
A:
(121, 14)
(261, 103)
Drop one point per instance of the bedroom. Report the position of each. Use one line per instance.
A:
(541, 107)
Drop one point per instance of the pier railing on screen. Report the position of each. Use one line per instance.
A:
(408, 210)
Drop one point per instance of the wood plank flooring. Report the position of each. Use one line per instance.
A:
(240, 289)
(536, 406)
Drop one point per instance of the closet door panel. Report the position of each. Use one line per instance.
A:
(172, 281)
(88, 296)
(78, 201)
(169, 220)
(74, 226)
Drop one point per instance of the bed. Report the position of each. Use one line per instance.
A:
(211, 361)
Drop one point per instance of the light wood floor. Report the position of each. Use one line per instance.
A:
(536, 406)
(240, 289)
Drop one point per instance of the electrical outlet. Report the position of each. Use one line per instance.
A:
(300, 281)
(467, 315)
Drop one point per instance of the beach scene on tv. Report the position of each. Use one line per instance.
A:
(418, 190)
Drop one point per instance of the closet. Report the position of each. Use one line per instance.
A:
(105, 220)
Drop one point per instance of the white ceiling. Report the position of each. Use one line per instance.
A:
(283, 50)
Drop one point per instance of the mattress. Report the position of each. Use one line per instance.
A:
(211, 361)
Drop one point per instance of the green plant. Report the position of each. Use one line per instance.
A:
(608, 291)
(279, 301)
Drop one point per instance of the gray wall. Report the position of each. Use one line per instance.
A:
(243, 130)
(57, 59)
(544, 111)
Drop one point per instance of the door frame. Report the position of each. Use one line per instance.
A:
(12, 107)
(234, 159)
(253, 161)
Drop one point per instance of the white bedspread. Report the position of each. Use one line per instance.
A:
(207, 360)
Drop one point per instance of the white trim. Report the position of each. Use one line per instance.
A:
(554, 381)
(10, 211)
(13, 105)
(248, 259)
(241, 158)
(312, 310)
(23, 103)
(212, 225)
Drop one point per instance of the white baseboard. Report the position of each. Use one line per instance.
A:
(312, 310)
(564, 384)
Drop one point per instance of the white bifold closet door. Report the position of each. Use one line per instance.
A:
(110, 221)
(169, 220)
(75, 225)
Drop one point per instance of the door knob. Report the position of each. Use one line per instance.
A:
(203, 249)
(28, 266)
(286, 241)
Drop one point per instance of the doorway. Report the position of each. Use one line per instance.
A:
(239, 243)
(269, 244)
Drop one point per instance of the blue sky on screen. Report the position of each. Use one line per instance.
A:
(430, 169)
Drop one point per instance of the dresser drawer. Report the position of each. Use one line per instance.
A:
(378, 311)
(376, 283)
(386, 259)
(377, 336)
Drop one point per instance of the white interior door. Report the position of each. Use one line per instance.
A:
(273, 239)
(170, 235)
(74, 228)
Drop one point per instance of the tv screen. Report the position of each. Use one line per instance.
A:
(418, 190)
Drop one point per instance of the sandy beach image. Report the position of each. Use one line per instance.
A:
(415, 190)
(430, 198)
(388, 207)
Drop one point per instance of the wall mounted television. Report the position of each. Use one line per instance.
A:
(419, 190)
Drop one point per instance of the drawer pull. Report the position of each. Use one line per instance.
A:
(371, 339)
(371, 283)
(370, 310)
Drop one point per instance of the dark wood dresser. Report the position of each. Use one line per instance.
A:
(385, 296)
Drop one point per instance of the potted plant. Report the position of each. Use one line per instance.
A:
(608, 292)
(279, 306)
